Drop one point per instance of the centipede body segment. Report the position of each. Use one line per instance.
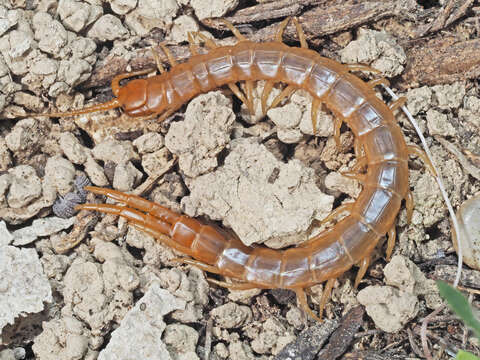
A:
(378, 137)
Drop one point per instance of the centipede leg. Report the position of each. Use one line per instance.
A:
(409, 205)
(234, 286)
(314, 113)
(334, 214)
(202, 266)
(337, 124)
(302, 300)
(327, 291)
(163, 239)
(301, 34)
(249, 93)
(234, 30)
(281, 29)
(354, 175)
(415, 150)
(361, 163)
(166, 114)
(191, 43)
(238, 93)
(209, 43)
(364, 264)
(169, 55)
(158, 62)
(116, 80)
(379, 81)
(267, 89)
(391, 236)
(284, 94)
(362, 67)
(398, 103)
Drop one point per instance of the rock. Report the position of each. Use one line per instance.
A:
(449, 96)
(25, 186)
(212, 8)
(120, 152)
(181, 27)
(467, 216)
(41, 227)
(65, 338)
(73, 150)
(376, 48)
(126, 176)
(149, 143)
(438, 124)
(121, 7)
(23, 286)
(150, 14)
(203, 134)
(388, 307)
(61, 173)
(144, 322)
(181, 341)
(77, 15)
(419, 99)
(252, 176)
(108, 28)
(50, 33)
(5, 236)
(231, 315)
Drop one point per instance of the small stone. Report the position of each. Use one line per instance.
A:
(449, 96)
(212, 8)
(231, 315)
(121, 7)
(150, 14)
(388, 307)
(181, 27)
(73, 150)
(337, 182)
(126, 176)
(61, 173)
(438, 124)
(25, 186)
(5, 236)
(181, 341)
(74, 71)
(120, 152)
(108, 28)
(379, 49)
(149, 143)
(419, 99)
(144, 322)
(154, 161)
(40, 227)
(77, 15)
(23, 286)
(50, 34)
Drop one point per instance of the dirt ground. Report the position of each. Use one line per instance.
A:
(84, 285)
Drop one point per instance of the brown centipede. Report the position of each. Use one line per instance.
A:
(325, 256)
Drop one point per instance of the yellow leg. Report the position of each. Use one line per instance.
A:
(209, 43)
(392, 236)
(249, 94)
(398, 103)
(198, 264)
(158, 62)
(314, 113)
(361, 67)
(327, 291)
(379, 81)
(415, 150)
(337, 211)
(281, 29)
(361, 163)
(354, 175)
(169, 55)
(193, 46)
(337, 124)
(285, 93)
(267, 89)
(302, 300)
(301, 34)
(234, 30)
(234, 286)
(409, 206)
(364, 264)
(166, 114)
(238, 93)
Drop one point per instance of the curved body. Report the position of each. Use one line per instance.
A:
(325, 256)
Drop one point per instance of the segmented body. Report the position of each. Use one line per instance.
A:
(327, 255)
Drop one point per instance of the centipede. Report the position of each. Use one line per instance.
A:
(381, 150)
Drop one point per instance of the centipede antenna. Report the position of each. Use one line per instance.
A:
(281, 29)
(112, 104)
(301, 34)
(439, 182)
(234, 30)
